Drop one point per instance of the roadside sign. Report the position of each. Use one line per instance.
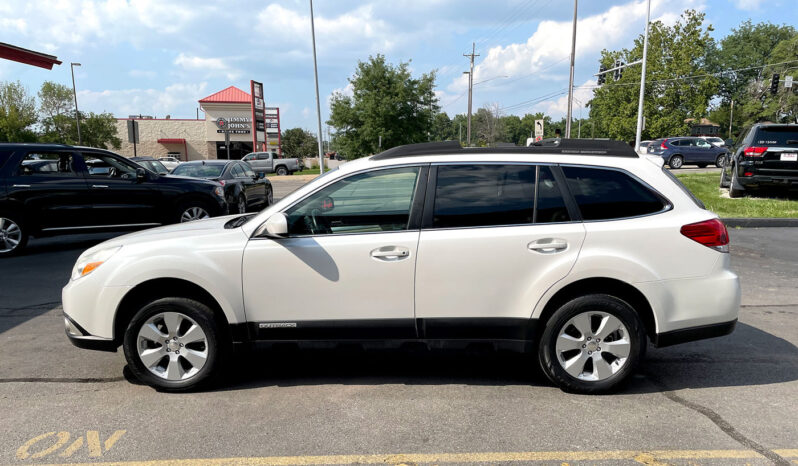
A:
(132, 131)
(788, 82)
(538, 128)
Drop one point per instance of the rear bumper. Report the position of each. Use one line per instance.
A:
(685, 335)
(768, 181)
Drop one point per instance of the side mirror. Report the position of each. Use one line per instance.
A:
(141, 175)
(275, 226)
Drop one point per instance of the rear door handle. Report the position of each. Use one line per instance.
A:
(548, 245)
(101, 186)
(390, 253)
(21, 186)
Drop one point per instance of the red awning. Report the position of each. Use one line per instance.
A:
(171, 141)
(29, 57)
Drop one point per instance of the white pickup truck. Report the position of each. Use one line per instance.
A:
(269, 162)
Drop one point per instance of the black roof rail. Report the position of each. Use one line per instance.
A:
(607, 148)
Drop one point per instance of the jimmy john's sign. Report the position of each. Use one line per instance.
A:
(234, 125)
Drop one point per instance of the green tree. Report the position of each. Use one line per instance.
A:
(17, 113)
(677, 85)
(57, 113)
(98, 130)
(299, 143)
(387, 101)
(442, 129)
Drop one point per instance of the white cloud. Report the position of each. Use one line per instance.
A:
(748, 4)
(348, 90)
(551, 42)
(559, 107)
(208, 66)
(177, 100)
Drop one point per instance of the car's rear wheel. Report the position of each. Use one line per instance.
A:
(720, 161)
(241, 205)
(724, 180)
(592, 344)
(269, 197)
(282, 171)
(173, 344)
(13, 235)
(735, 188)
(192, 210)
(677, 161)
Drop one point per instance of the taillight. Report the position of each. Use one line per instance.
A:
(755, 151)
(662, 145)
(222, 182)
(710, 233)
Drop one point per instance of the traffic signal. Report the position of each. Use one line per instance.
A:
(618, 70)
(774, 83)
(602, 77)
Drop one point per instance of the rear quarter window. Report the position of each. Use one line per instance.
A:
(605, 194)
(4, 156)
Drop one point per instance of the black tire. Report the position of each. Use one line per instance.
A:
(720, 161)
(547, 353)
(702, 165)
(281, 171)
(676, 162)
(736, 190)
(185, 206)
(203, 316)
(724, 181)
(12, 228)
(242, 202)
(269, 200)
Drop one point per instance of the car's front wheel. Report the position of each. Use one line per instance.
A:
(241, 204)
(269, 196)
(676, 162)
(189, 211)
(720, 161)
(173, 344)
(591, 344)
(13, 235)
(281, 171)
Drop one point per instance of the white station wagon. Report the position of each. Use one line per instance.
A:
(583, 251)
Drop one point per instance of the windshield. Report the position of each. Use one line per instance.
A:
(199, 170)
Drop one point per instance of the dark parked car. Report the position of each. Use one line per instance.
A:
(245, 191)
(49, 189)
(151, 164)
(766, 157)
(680, 151)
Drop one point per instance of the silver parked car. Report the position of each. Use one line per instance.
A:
(270, 162)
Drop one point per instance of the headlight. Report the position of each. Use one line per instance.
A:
(219, 191)
(87, 264)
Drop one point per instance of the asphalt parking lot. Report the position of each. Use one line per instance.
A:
(730, 400)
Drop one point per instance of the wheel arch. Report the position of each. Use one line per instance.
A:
(607, 286)
(157, 288)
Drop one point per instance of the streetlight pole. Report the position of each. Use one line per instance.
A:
(571, 78)
(75, 95)
(318, 102)
(639, 132)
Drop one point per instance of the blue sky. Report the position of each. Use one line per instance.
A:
(158, 57)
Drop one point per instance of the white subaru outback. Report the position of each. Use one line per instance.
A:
(583, 251)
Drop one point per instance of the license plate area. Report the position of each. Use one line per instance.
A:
(789, 157)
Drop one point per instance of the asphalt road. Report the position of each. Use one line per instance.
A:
(724, 401)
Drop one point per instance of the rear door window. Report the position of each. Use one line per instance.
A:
(604, 194)
(47, 164)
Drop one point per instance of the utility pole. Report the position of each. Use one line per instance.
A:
(470, 89)
(318, 104)
(638, 134)
(75, 95)
(571, 78)
(460, 133)
(731, 116)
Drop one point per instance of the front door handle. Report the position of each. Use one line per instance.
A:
(100, 186)
(21, 186)
(548, 245)
(390, 253)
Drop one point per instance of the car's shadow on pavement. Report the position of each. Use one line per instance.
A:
(747, 357)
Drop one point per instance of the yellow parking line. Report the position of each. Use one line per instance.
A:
(645, 457)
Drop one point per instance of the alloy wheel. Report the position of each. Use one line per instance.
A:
(194, 213)
(172, 346)
(593, 346)
(10, 235)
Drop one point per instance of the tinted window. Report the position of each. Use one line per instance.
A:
(370, 202)
(777, 136)
(479, 195)
(607, 194)
(199, 170)
(248, 171)
(263, 156)
(550, 204)
(106, 166)
(237, 172)
(47, 164)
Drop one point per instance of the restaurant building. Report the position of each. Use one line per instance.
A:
(228, 112)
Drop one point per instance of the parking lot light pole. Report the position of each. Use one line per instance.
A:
(571, 78)
(318, 103)
(75, 95)
(639, 131)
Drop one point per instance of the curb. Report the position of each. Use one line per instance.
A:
(760, 222)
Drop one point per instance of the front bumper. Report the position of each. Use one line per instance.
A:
(79, 337)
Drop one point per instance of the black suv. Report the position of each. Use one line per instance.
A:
(48, 189)
(767, 156)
